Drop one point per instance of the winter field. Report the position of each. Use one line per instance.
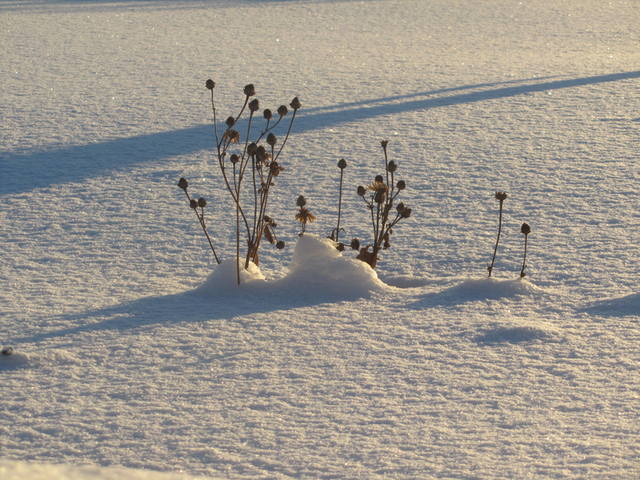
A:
(136, 357)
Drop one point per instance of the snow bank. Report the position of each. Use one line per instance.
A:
(318, 269)
(490, 288)
(12, 470)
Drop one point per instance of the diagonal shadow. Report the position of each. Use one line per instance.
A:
(76, 163)
(615, 307)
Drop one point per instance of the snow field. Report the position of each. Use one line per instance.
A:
(126, 355)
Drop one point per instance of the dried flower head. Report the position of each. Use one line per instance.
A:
(272, 139)
(342, 164)
(280, 245)
(401, 185)
(301, 201)
(295, 103)
(378, 186)
(193, 203)
(391, 166)
(183, 184)
(7, 351)
(501, 196)
(275, 169)
(340, 247)
(378, 179)
(267, 114)
(361, 191)
(355, 244)
(525, 229)
(210, 84)
(202, 202)
(254, 105)
(384, 143)
(282, 110)
(232, 135)
(234, 158)
(249, 90)
(252, 148)
(305, 216)
(230, 121)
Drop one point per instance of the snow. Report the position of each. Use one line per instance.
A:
(134, 350)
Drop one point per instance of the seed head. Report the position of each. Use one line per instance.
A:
(305, 216)
(406, 213)
(275, 169)
(234, 158)
(282, 110)
(384, 143)
(272, 139)
(202, 202)
(378, 179)
(525, 229)
(391, 166)
(355, 244)
(210, 84)
(342, 164)
(193, 203)
(230, 122)
(252, 148)
(501, 196)
(254, 105)
(386, 245)
(280, 245)
(232, 135)
(183, 184)
(249, 90)
(267, 114)
(295, 103)
(401, 185)
(301, 201)
(361, 191)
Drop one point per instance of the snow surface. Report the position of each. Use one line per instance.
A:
(130, 353)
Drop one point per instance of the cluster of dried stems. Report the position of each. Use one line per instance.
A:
(243, 161)
(525, 229)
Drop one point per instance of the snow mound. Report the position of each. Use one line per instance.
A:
(490, 288)
(15, 360)
(622, 306)
(515, 334)
(11, 470)
(319, 268)
(224, 278)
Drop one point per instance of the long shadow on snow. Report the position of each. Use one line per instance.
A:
(615, 307)
(76, 163)
(190, 306)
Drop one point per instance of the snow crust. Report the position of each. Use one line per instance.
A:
(317, 370)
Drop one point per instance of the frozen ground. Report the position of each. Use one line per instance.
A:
(121, 360)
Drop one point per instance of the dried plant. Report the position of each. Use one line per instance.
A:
(501, 197)
(525, 229)
(242, 161)
(304, 215)
(380, 197)
(335, 233)
(194, 204)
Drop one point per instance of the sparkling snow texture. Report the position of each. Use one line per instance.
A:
(132, 348)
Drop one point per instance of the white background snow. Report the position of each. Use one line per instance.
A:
(123, 361)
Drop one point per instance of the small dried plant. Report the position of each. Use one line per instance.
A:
(501, 197)
(380, 197)
(245, 160)
(525, 229)
(304, 215)
(335, 233)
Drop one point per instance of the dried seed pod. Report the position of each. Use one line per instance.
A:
(295, 103)
(525, 229)
(234, 158)
(384, 143)
(267, 114)
(249, 90)
(230, 122)
(210, 84)
(272, 139)
(379, 196)
(183, 184)
(361, 191)
(202, 202)
(254, 105)
(355, 244)
(401, 185)
(342, 164)
(193, 203)
(406, 213)
(275, 169)
(391, 166)
(400, 207)
(282, 110)
(301, 201)
(252, 148)
(340, 247)
(501, 196)
(378, 179)
(280, 245)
